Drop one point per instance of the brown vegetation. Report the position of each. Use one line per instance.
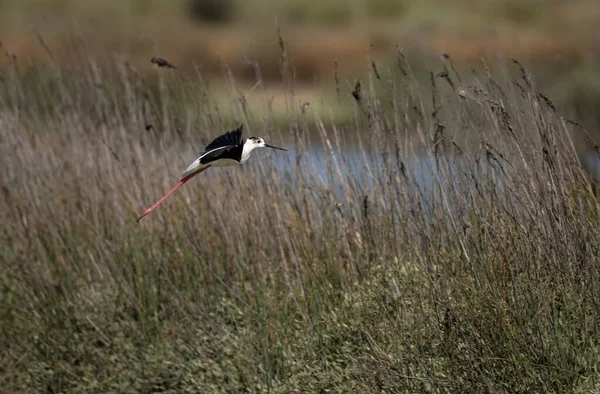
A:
(455, 250)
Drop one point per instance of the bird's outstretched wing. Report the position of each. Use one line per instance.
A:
(233, 152)
(232, 138)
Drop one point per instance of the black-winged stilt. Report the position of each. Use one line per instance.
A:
(230, 149)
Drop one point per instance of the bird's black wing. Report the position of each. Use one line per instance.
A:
(232, 138)
(233, 152)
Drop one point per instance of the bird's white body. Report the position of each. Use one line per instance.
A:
(197, 165)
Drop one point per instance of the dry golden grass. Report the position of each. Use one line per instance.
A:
(452, 246)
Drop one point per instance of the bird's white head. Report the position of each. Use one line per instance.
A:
(253, 143)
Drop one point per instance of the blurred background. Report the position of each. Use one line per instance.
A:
(557, 40)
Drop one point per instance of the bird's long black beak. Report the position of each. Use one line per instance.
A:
(274, 147)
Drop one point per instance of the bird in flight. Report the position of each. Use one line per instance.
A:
(230, 149)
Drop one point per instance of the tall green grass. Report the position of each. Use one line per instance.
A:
(277, 277)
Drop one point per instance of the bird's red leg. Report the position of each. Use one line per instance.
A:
(177, 186)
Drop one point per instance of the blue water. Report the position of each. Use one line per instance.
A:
(364, 170)
(591, 162)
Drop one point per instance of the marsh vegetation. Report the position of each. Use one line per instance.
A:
(322, 271)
